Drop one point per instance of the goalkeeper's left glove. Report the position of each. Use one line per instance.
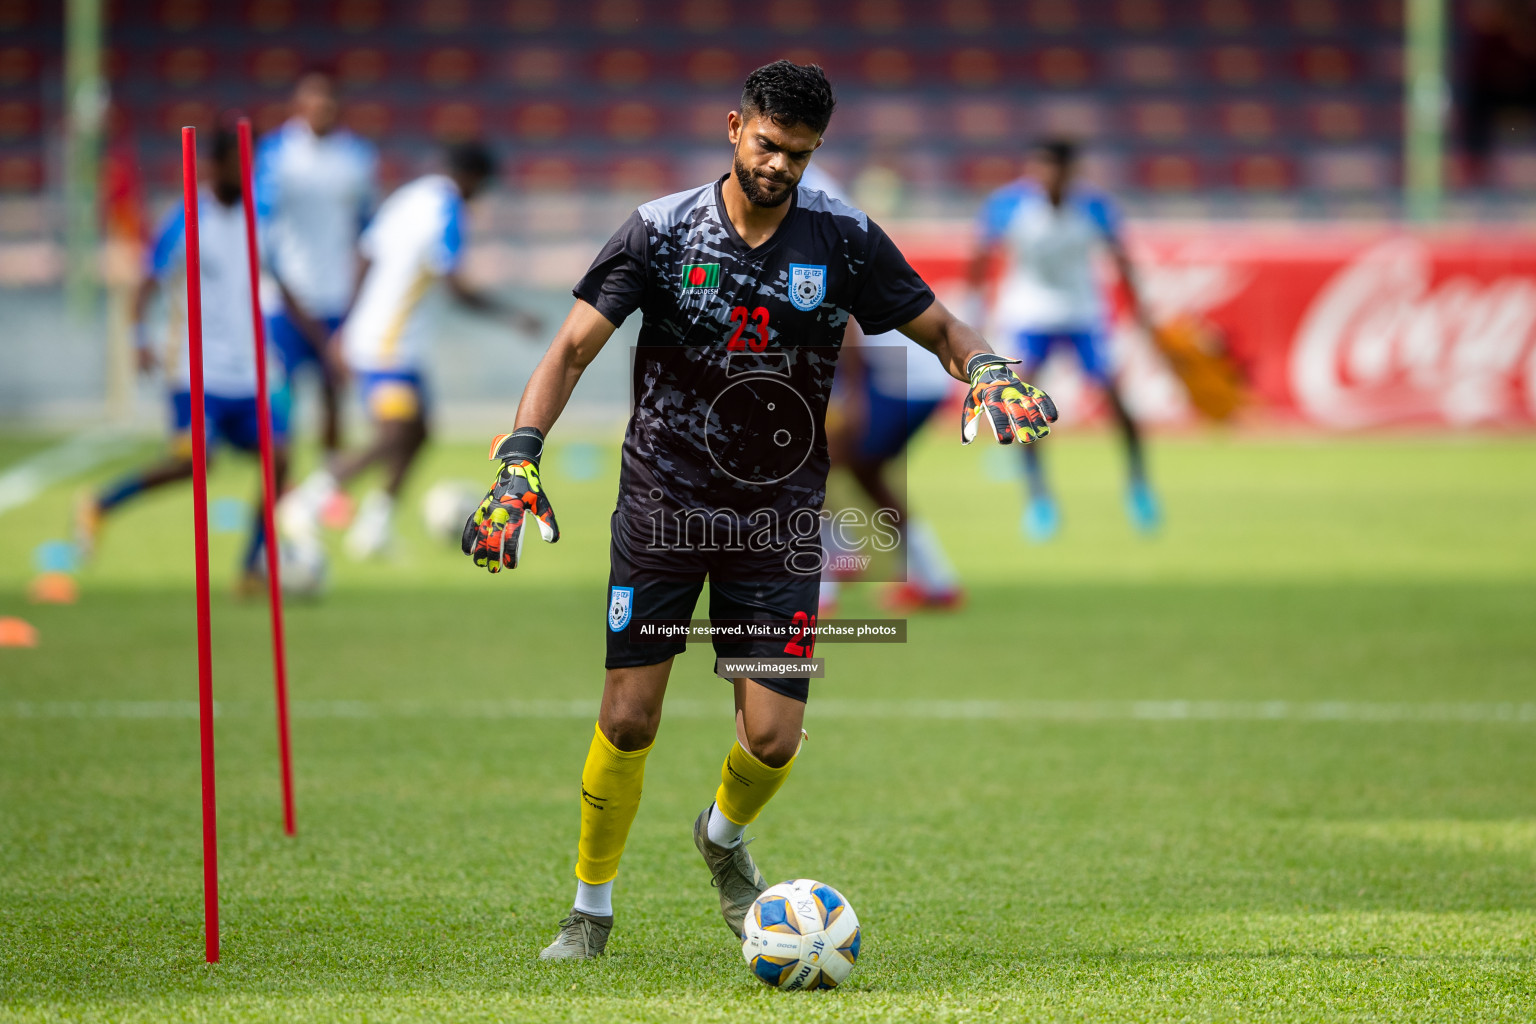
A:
(1016, 411)
(493, 534)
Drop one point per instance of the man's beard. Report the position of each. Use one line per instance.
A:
(755, 195)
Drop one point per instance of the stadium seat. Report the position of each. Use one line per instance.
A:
(442, 16)
(622, 68)
(455, 121)
(1337, 120)
(1236, 66)
(276, 67)
(541, 122)
(794, 17)
(182, 15)
(269, 15)
(185, 66)
(879, 17)
(17, 65)
(1356, 169)
(894, 120)
(547, 173)
(357, 15)
(887, 68)
(631, 121)
(983, 121)
(1249, 122)
(1263, 173)
(643, 175)
(1318, 17)
(269, 116)
(1169, 172)
(1063, 67)
(705, 122)
(368, 118)
(361, 66)
(1227, 16)
(618, 17)
(1326, 65)
(1141, 15)
(531, 16)
(1076, 117)
(1160, 121)
(1053, 16)
(196, 112)
(968, 16)
(20, 172)
(989, 172)
(19, 119)
(974, 68)
(448, 67)
(705, 16)
(1148, 65)
(536, 67)
(713, 66)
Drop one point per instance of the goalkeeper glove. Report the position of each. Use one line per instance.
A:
(1015, 410)
(493, 535)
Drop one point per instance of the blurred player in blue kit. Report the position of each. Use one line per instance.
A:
(1049, 230)
(891, 389)
(316, 187)
(412, 261)
(229, 353)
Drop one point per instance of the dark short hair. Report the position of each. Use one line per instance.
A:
(1059, 151)
(789, 94)
(473, 158)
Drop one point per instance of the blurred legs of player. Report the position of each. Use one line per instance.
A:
(1042, 517)
(866, 448)
(230, 421)
(396, 403)
(298, 351)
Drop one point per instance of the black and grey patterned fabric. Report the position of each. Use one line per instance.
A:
(738, 347)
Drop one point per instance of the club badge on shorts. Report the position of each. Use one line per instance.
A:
(621, 602)
(807, 286)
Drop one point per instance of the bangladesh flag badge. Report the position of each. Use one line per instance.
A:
(704, 276)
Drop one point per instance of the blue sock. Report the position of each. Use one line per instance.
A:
(120, 492)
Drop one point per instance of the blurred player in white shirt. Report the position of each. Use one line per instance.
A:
(229, 354)
(412, 256)
(891, 386)
(316, 187)
(1049, 231)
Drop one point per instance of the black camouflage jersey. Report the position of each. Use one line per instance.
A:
(738, 346)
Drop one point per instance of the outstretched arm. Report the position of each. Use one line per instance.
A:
(1016, 411)
(493, 536)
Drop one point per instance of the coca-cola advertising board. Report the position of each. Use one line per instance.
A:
(1343, 327)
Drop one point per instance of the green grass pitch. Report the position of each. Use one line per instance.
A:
(1028, 825)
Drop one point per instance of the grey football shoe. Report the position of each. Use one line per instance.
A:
(732, 871)
(582, 937)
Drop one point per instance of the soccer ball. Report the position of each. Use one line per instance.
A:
(801, 934)
(303, 567)
(446, 506)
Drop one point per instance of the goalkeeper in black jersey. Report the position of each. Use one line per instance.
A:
(745, 286)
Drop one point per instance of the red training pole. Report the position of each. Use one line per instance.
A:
(200, 543)
(268, 477)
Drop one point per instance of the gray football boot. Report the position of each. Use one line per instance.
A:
(582, 937)
(732, 871)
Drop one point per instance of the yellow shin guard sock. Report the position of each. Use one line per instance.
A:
(746, 785)
(610, 795)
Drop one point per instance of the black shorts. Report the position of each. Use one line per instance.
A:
(644, 584)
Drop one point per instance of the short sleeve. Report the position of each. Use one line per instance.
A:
(996, 212)
(1104, 214)
(891, 293)
(169, 241)
(449, 251)
(615, 283)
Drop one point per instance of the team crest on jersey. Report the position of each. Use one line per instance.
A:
(621, 602)
(807, 286)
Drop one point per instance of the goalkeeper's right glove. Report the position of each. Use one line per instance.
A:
(493, 534)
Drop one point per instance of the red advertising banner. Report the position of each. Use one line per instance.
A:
(1343, 327)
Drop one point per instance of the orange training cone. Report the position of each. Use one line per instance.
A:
(17, 633)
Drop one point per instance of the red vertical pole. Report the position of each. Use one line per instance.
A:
(200, 542)
(269, 485)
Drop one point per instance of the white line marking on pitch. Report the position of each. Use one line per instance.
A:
(25, 480)
(922, 710)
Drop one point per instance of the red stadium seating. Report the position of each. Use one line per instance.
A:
(1326, 66)
(887, 68)
(1235, 66)
(713, 66)
(182, 15)
(269, 15)
(879, 17)
(643, 175)
(361, 66)
(185, 66)
(621, 68)
(532, 16)
(1051, 15)
(1063, 67)
(968, 16)
(536, 67)
(1148, 65)
(357, 16)
(1228, 16)
(618, 17)
(369, 118)
(440, 16)
(276, 67)
(1141, 15)
(975, 68)
(1337, 120)
(199, 113)
(1249, 122)
(1160, 121)
(547, 173)
(1263, 173)
(541, 122)
(19, 119)
(989, 172)
(448, 67)
(794, 17)
(20, 172)
(18, 65)
(980, 121)
(1169, 172)
(705, 16)
(455, 121)
(1319, 17)
(631, 121)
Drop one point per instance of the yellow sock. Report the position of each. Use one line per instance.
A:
(746, 785)
(610, 795)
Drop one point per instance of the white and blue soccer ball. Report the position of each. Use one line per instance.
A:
(303, 565)
(801, 934)
(447, 505)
